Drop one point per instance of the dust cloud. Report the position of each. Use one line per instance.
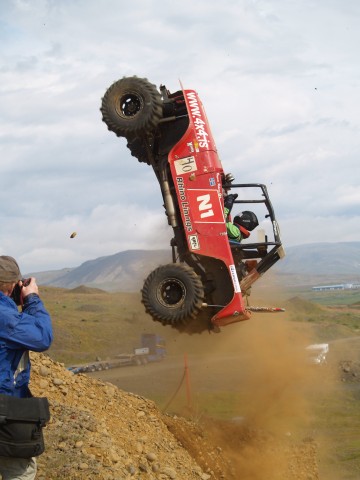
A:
(264, 393)
(276, 389)
(274, 396)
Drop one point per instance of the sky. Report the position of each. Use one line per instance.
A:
(280, 82)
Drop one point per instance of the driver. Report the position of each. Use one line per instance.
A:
(243, 223)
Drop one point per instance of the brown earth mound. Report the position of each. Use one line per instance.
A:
(98, 431)
(86, 290)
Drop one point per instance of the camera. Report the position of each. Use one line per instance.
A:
(16, 293)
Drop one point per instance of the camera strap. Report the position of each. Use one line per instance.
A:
(22, 365)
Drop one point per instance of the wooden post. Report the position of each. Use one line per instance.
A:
(188, 385)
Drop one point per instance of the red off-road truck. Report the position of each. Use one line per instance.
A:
(206, 284)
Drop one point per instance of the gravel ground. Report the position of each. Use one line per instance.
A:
(98, 431)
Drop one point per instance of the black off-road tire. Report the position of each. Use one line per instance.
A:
(137, 147)
(131, 106)
(173, 294)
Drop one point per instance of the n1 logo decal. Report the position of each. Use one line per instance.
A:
(205, 206)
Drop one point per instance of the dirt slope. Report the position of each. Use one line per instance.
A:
(98, 431)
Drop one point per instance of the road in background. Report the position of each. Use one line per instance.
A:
(207, 373)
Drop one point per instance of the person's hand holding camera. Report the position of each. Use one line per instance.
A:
(28, 287)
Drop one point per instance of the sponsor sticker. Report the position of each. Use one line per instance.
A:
(202, 135)
(194, 242)
(184, 204)
(234, 279)
(191, 147)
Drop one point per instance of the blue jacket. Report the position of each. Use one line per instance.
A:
(20, 332)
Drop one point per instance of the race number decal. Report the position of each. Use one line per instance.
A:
(185, 165)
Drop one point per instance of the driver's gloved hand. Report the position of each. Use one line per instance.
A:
(229, 201)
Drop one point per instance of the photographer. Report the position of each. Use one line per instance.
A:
(20, 332)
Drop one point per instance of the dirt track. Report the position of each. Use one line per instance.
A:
(210, 374)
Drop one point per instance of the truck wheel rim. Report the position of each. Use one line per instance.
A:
(171, 293)
(129, 105)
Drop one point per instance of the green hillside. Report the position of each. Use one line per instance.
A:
(90, 323)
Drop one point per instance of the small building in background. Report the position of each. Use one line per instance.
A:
(340, 286)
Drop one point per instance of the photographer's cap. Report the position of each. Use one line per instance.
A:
(9, 269)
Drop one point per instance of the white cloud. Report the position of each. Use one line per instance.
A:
(279, 81)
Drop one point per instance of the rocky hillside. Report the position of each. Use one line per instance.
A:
(98, 431)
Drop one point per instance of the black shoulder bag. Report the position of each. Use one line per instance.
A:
(21, 424)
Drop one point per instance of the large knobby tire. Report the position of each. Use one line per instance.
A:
(131, 106)
(138, 150)
(173, 294)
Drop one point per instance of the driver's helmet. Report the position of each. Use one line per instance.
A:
(247, 220)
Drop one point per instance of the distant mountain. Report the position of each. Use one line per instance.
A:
(342, 258)
(126, 271)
